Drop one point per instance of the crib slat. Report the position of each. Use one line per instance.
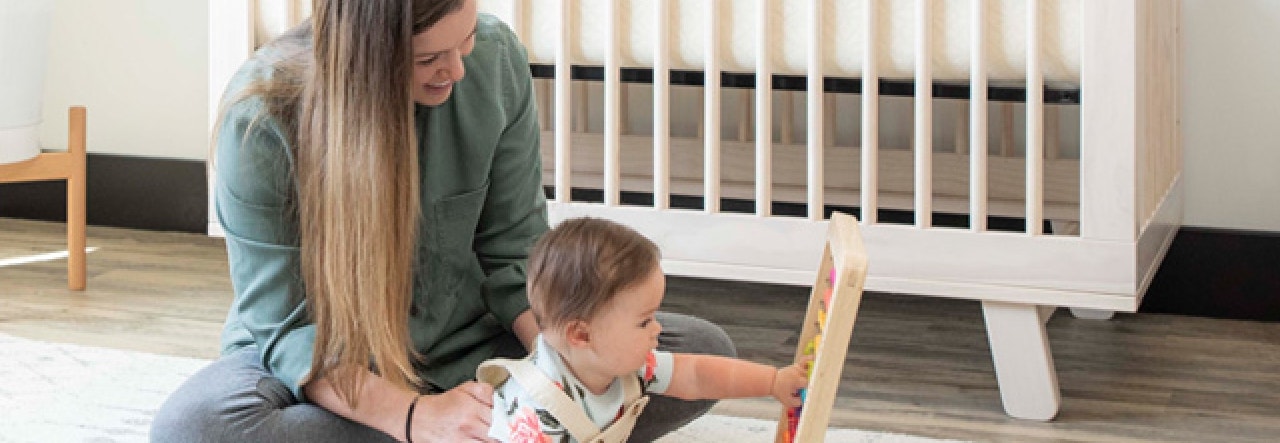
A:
(297, 12)
(870, 116)
(562, 107)
(764, 111)
(711, 109)
(612, 110)
(924, 116)
(661, 107)
(1035, 123)
(978, 119)
(816, 124)
(786, 130)
(545, 94)
(517, 19)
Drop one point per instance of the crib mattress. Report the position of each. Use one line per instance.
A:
(844, 24)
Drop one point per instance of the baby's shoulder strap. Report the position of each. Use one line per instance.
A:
(543, 391)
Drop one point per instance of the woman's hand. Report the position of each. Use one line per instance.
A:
(460, 414)
(787, 384)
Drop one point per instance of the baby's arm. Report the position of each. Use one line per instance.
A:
(697, 377)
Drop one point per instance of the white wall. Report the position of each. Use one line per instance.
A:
(140, 66)
(1231, 113)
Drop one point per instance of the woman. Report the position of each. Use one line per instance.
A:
(379, 181)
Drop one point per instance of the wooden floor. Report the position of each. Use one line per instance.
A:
(916, 365)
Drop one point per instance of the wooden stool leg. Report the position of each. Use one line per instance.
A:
(76, 201)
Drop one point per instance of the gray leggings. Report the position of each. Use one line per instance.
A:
(235, 400)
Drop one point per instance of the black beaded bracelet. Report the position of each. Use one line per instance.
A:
(408, 420)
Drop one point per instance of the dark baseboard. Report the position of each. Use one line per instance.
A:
(123, 191)
(1218, 273)
(1207, 272)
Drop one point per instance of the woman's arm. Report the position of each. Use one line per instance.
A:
(252, 194)
(460, 414)
(526, 328)
(515, 213)
(697, 377)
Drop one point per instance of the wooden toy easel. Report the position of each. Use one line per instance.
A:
(828, 324)
(69, 166)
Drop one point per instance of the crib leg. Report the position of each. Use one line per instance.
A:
(1092, 314)
(1024, 365)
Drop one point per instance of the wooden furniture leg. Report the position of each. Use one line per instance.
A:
(76, 202)
(69, 166)
(1024, 365)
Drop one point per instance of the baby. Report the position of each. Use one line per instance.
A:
(594, 286)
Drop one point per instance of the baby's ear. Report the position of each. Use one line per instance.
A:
(578, 333)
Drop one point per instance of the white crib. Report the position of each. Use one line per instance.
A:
(1114, 207)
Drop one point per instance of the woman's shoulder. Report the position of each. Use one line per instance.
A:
(490, 28)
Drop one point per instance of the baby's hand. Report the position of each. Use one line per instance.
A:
(787, 384)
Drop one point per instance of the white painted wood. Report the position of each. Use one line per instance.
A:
(230, 44)
(1109, 119)
(1052, 132)
(662, 107)
(711, 107)
(870, 117)
(978, 181)
(1065, 227)
(563, 108)
(581, 98)
(1035, 124)
(624, 107)
(1158, 235)
(1023, 363)
(546, 107)
(924, 115)
(1001, 293)
(1092, 314)
(786, 123)
(831, 107)
(612, 108)
(1046, 312)
(816, 129)
(517, 23)
(299, 10)
(764, 110)
(941, 256)
(1006, 129)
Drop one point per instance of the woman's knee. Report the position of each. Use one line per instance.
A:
(688, 334)
(229, 394)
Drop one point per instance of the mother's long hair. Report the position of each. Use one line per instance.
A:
(342, 91)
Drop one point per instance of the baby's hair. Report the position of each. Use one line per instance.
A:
(579, 266)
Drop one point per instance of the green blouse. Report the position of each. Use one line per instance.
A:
(483, 207)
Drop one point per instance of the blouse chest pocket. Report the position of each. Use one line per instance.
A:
(454, 222)
(452, 266)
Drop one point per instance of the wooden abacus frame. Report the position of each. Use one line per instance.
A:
(843, 270)
(69, 166)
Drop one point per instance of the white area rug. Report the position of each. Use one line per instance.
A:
(53, 392)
